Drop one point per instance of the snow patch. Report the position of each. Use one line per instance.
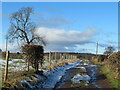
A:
(55, 75)
(77, 78)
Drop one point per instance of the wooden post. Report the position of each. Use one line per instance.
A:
(75, 57)
(50, 58)
(27, 66)
(6, 66)
(71, 57)
(67, 56)
(64, 56)
(60, 57)
(56, 57)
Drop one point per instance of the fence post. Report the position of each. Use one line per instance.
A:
(6, 66)
(27, 66)
(50, 58)
(60, 56)
(56, 57)
(64, 56)
(67, 56)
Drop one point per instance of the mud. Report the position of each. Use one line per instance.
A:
(97, 80)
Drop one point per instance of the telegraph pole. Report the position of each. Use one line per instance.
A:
(97, 48)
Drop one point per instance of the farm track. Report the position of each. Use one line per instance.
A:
(98, 80)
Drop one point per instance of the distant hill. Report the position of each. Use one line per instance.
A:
(12, 55)
(19, 55)
(79, 55)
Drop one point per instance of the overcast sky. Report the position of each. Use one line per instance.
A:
(71, 27)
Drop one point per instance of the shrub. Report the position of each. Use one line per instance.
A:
(99, 58)
(33, 54)
(114, 60)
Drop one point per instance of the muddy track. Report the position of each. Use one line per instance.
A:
(100, 80)
(97, 80)
(65, 81)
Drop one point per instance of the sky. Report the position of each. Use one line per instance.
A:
(60, 1)
(69, 26)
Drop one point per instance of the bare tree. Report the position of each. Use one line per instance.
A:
(23, 29)
(109, 50)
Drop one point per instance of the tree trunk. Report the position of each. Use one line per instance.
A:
(36, 67)
(41, 64)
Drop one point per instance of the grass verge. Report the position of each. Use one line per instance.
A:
(111, 76)
(14, 76)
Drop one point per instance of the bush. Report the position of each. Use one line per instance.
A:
(33, 54)
(114, 60)
(99, 58)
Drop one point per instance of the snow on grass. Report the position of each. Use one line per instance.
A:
(19, 64)
(14, 64)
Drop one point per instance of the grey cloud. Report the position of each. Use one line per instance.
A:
(58, 39)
